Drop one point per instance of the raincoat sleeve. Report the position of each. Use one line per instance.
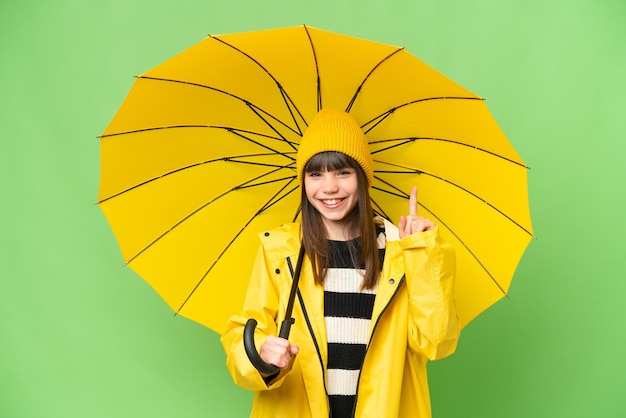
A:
(430, 266)
(261, 303)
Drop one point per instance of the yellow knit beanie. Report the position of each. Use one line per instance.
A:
(335, 130)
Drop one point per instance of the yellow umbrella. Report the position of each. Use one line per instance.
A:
(200, 158)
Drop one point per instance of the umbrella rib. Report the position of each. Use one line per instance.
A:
(156, 128)
(255, 111)
(270, 202)
(358, 90)
(378, 209)
(405, 141)
(378, 119)
(235, 131)
(317, 70)
(263, 183)
(233, 159)
(469, 250)
(414, 171)
(291, 108)
(241, 99)
(240, 133)
(289, 103)
(442, 222)
(203, 206)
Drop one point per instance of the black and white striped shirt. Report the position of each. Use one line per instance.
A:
(348, 312)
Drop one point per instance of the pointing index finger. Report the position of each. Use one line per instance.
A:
(413, 202)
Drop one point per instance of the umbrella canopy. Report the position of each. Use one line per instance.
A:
(200, 158)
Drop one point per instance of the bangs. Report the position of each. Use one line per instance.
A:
(330, 161)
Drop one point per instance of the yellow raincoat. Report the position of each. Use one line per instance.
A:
(414, 320)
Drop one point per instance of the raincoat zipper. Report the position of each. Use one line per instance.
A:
(358, 382)
(308, 323)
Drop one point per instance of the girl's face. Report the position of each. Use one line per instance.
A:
(334, 194)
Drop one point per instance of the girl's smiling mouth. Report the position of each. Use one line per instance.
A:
(331, 202)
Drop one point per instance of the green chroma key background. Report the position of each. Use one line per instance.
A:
(83, 336)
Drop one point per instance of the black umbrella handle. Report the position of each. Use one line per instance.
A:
(285, 326)
(250, 346)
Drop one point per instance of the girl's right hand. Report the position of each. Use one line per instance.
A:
(413, 222)
(278, 351)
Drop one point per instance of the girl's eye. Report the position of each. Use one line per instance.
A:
(313, 174)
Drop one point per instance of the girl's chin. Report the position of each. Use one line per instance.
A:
(334, 218)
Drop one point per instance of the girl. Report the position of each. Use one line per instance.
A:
(374, 302)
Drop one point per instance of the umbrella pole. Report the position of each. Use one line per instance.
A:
(285, 326)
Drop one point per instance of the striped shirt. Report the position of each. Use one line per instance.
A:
(348, 312)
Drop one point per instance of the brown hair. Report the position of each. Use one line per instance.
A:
(361, 224)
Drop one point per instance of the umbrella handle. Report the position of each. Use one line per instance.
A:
(285, 326)
(250, 346)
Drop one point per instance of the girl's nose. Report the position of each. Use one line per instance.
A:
(330, 183)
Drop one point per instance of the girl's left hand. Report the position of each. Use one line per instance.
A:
(413, 222)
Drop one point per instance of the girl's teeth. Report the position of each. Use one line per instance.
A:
(331, 202)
